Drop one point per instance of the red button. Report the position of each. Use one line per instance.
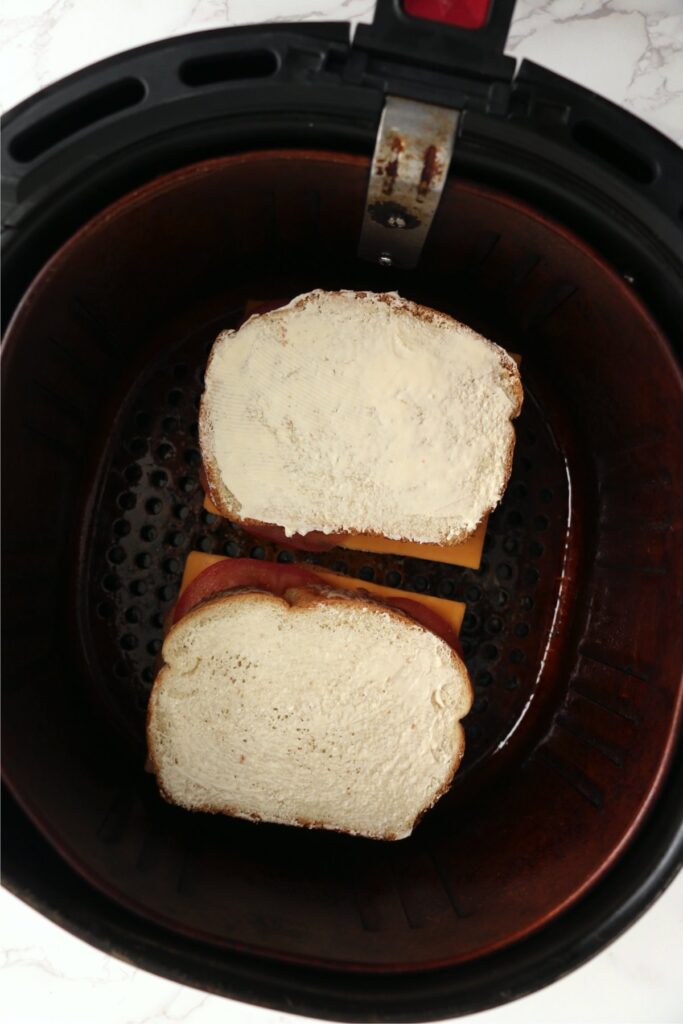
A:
(462, 13)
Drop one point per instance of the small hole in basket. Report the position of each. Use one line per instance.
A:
(511, 683)
(446, 588)
(138, 587)
(526, 602)
(143, 560)
(121, 527)
(285, 556)
(546, 495)
(531, 577)
(164, 451)
(510, 546)
(535, 549)
(159, 478)
(470, 622)
(257, 552)
(495, 624)
(541, 522)
(204, 544)
(484, 678)
(157, 620)
(521, 629)
(472, 594)
(167, 592)
(502, 598)
(171, 565)
(116, 555)
(170, 424)
(490, 652)
(154, 506)
(175, 539)
(127, 500)
(339, 567)
(187, 484)
(148, 533)
(105, 609)
(392, 578)
(517, 656)
(154, 646)
(480, 704)
(137, 446)
(175, 396)
(148, 675)
(180, 511)
(111, 582)
(192, 457)
(208, 517)
(231, 549)
(367, 573)
(420, 584)
(132, 614)
(129, 641)
(132, 473)
(504, 572)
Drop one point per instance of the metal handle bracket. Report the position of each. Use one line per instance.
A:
(407, 175)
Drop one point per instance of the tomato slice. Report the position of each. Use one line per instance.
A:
(277, 578)
(313, 541)
(242, 572)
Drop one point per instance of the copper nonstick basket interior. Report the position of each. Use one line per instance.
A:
(570, 634)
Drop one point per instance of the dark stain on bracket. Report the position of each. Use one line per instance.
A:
(392, 215)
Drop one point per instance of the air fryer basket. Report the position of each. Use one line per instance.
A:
(576, 681)
(563, 821)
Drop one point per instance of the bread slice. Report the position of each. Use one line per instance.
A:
(358, 413)
(316, 709)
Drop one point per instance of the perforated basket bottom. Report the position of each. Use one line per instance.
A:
(149, 516)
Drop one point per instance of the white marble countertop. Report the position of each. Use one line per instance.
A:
(630, 51)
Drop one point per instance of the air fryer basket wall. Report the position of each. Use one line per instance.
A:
(563, 636)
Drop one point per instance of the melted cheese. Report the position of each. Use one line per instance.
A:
(451, 611)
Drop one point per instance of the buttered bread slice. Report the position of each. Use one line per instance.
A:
(353, 412)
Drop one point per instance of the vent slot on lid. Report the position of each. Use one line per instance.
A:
(228, 67)
(76, 116)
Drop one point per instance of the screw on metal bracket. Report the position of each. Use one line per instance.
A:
(407, 175)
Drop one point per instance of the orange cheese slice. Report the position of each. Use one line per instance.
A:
(468, 553)
(451, 611)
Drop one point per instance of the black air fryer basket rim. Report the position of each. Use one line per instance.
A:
(48, 187)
